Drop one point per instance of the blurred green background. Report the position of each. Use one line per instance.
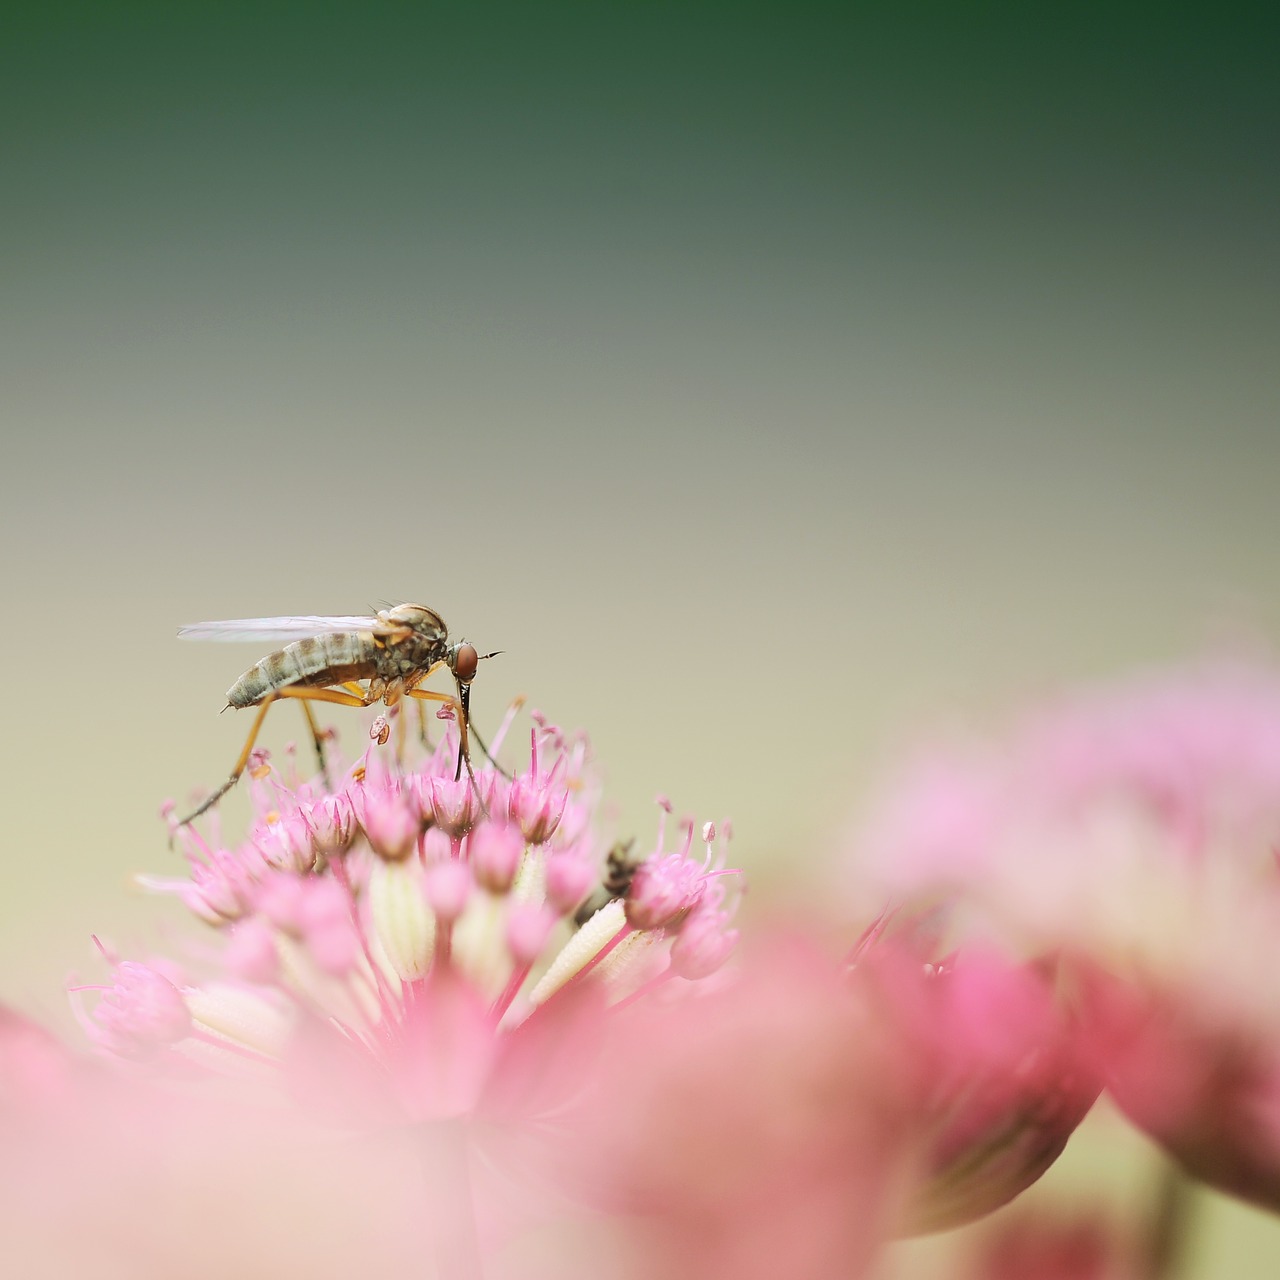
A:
(771, 384)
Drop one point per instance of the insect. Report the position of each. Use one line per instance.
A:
(620, 869)
(324, 659)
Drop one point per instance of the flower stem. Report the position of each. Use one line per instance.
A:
(1169, 1226)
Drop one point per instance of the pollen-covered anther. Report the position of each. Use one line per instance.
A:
(380, 730)
(580, 951)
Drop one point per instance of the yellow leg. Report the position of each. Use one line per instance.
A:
(210, 800)
(305, 694)
(460, 714)
(419, 676)
(311, 693)
(317, 741)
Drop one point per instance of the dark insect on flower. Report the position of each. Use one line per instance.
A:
(326, 659)
(619, 870)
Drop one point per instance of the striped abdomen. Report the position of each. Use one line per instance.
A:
(318, 660)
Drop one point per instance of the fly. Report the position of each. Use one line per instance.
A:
(353, 661)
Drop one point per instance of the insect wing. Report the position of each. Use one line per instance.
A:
(279, 630)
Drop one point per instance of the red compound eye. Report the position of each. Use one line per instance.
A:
(465, 663)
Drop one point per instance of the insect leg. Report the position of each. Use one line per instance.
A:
(309, 693)
(210, 800)
(317, 741)
(419, 676)
(475, 733)
(460, 714)
(302, 692)
(423, 736)
(317, 737)
(468, 731)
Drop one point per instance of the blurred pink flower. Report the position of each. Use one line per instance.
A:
(1011, 1079)
(772, 1134)
(1133, 836)
(804, 1111)
(108, 1175)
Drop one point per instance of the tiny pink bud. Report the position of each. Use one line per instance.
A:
(333, 824)
(662, 890)
(536, 805)
(569, 879)
(280, 899)
(702, 945)
(454, 805)
(391, 827)
(142, 1011)
(528, 928)
(286, 843)
(325, 905)
(251, 952)
(495, 851)
(334, 947)
(447, 886)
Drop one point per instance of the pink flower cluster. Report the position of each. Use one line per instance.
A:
(492, 1035)
(344, 905)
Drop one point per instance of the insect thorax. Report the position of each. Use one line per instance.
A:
(401, 659)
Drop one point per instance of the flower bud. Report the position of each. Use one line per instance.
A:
(333, 824)
(662, 890)
(143, 1011)
(454, 805)
(391, 826)
(495, 851)
(569, 879)
(536, 805)
(448, 886)
(528, 928)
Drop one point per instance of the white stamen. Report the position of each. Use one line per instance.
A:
(241, 1016)
(403, 924)
(580, 950)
